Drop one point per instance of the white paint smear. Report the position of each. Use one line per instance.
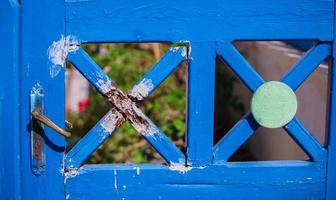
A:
(58, 53)
(180, 168)
(142, 89)
(71, 173)
(181, 49)
(105, 86)
(115, 179)
(109, 121)
(138, 171)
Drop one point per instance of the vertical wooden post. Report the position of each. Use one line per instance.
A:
(10, 172)
(331, 168)
(201, 95)
(43, 22)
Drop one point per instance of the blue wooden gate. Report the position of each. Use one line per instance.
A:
(37, 37)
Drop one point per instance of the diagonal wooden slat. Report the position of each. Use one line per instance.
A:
(306, 141)
(239, 134)
(239, 65)
(92, 140)
(158, 73)
(306, 65)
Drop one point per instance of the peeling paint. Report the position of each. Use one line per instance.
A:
(115, 179)
(180, 49)
(130, 111)
(58, 53)
(105, 86)
(180, 168)
(141, 90)
(138, 171)
(111, 120)
(144, 128)
(69, 173)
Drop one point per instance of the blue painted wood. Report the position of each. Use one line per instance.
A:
(214, 20)
(201, 95)
(305, 66)
(96, 76)
(10, 169)
(236, 137)
(305, 139)
(161, 70)
(42, 24)
(252, 180)
(91, 141)
(209, 27)
(239, 65)
(97, 135)
(331, 128)
(244, 129)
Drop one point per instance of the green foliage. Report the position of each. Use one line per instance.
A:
(125, 64)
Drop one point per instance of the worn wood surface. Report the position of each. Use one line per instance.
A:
(148, 20)
(51, 31)
(261, 180)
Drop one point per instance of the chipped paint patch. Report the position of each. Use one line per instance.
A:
(111, 120)
(179, 167)
(105, 86)
(180, 49)
(138, 171)
(115, 179)
(141, 90)
(69, 173)
(58, 53)
(130, 111)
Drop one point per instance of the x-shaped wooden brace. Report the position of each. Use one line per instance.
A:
(124, 107)
(245, 128)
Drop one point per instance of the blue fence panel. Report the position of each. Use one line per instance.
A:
(42, 35)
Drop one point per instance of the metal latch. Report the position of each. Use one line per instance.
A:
(38, 120)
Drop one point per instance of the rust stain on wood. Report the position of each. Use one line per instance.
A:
(129, 110)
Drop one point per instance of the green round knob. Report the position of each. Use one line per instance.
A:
(274, 104)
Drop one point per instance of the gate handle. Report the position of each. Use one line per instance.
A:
(43, 119)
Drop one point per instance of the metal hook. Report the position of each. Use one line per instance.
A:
(43, 119)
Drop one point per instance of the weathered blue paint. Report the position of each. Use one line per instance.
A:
(209, 28)
(97, 135)
(212, 20)
(96, 76)
(252, 180)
